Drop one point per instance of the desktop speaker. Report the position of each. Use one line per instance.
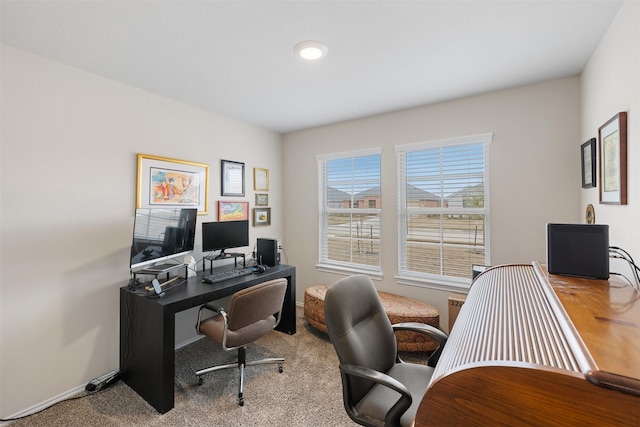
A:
(267, 252)
(578, 250)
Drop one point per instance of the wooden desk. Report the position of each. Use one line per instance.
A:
(530, 348)
(606, 314)
(147, 329)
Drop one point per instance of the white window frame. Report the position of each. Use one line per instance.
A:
(325, 265)
(433, 281)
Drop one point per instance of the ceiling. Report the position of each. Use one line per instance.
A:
(236, 57)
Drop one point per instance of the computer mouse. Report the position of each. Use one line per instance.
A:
(259, 269)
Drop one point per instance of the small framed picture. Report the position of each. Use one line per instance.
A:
(588, 160)
(262, 199)
(232, 178)
(260, 179)
(612, 138)
(261, 216)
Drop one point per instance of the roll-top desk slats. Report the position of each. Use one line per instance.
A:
(520, 353)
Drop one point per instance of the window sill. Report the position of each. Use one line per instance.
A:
(347, 271)
(437, 283)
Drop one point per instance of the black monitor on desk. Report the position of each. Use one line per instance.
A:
(223, 235)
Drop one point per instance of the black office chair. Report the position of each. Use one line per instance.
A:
(378, 388)
(253, 313)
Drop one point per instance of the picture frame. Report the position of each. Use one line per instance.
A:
(260, 179)
(168, 182)
(233, 211)
(262, 199)
(588, 162)
(261, 216)
(231, 178)
(612, 147)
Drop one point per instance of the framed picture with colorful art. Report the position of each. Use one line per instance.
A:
(165, 182)
(233, 211)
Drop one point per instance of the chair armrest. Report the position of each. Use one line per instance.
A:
(432, 331)
(428, 330)
(213, 308)
(401, 405)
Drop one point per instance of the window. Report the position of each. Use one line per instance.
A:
(443, 210)
(349, 211)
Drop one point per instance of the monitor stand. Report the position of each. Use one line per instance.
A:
(161, 268)
(156, 270)
(223, 255)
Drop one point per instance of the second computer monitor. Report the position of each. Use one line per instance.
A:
(222, 235)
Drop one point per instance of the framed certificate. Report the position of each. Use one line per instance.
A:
(260, 179)
(612, 144)
(232, 178)
(588, 160)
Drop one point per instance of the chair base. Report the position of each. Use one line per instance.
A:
(240, 364)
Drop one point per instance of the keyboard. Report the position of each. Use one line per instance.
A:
(226, 275)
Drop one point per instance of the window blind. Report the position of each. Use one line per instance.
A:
(349, 210)
(443, 207)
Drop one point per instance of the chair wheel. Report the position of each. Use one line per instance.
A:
(280, 369)
(241, 401)
(200, 380)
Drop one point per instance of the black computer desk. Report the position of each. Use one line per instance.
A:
(147, 328)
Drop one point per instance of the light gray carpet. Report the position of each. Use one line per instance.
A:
(307, 393)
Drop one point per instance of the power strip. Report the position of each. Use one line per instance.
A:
(103, 381)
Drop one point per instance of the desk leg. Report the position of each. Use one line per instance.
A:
(288, 320)
(147, 357)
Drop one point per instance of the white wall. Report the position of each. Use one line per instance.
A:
(534, 173)
(69, 145)
(611, 84)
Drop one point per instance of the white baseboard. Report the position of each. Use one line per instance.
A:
(45, 404)
(189, 341)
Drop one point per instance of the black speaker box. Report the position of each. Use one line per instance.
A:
(578, 250)
(267, 252)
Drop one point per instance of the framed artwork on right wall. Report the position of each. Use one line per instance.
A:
(612, 147)
(588, 161)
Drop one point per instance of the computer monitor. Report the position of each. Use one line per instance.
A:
(223, 235)
(160, 234)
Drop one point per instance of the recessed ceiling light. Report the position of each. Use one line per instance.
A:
(310, 50)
